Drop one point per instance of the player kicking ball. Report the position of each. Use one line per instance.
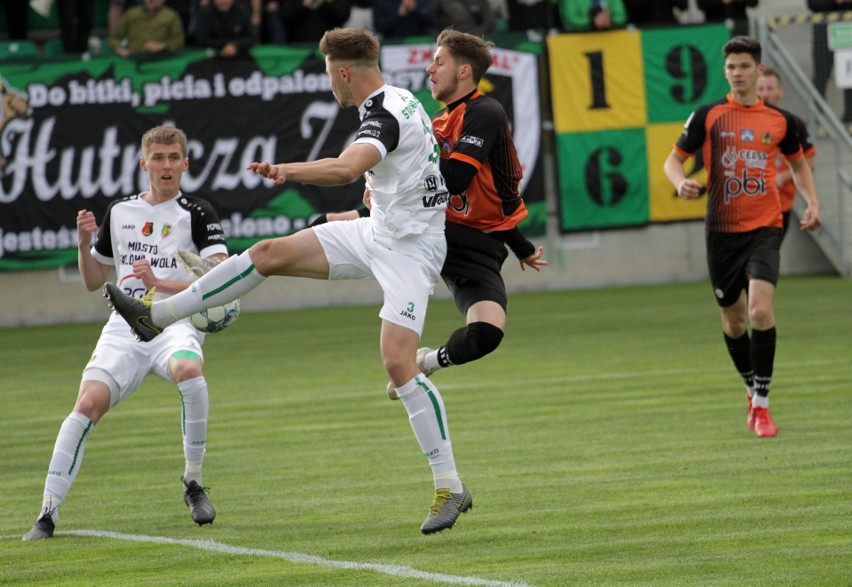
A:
(401, 245)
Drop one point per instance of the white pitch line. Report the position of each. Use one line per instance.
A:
(299, 558)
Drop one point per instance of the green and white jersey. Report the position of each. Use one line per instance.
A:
(407, 190)
(134, 229)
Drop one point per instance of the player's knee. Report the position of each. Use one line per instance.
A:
(484, 338)
(185, 369)
(396, 368)
(93, 402)
(760, 316)
(268, 256)
(734, 324)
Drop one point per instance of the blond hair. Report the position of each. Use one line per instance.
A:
(164, 135)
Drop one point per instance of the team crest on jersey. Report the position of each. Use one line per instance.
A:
(148, 229)
(459, 203)
(766, 138)
(746, 135)
(167, 228)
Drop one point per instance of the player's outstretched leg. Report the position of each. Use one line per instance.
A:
(137, 312)
(200, 508)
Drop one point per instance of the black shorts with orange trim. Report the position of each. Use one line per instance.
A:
(472, 268)
(735, 258)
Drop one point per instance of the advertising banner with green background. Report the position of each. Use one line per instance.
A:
(70, 132)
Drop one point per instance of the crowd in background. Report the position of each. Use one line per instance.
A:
(230, 27)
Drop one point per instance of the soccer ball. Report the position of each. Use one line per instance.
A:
(216, 319)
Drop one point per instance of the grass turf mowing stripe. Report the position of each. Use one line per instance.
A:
(299, 558)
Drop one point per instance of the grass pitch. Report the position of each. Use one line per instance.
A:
(604, 443)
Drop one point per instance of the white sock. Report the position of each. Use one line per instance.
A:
(195, 405)
(760, 401)
(232, 278)
(66, 460)
(430, 361)
(427, 416)
(192, 472)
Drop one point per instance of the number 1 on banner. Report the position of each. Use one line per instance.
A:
(597, 81)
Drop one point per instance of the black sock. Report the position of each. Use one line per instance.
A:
(740, 351)
(763, 359)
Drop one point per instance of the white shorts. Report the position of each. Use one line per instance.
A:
(407, 269)
(127, 361)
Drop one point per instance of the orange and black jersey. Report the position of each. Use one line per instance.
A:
(787, 191)
(475, 131)
(740, 145)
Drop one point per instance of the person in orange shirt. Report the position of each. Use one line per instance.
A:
(481, 168)
(770, 89)
(741, 138)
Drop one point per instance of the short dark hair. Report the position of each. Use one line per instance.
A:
(468, 49)
(349, 44)
(743, 44)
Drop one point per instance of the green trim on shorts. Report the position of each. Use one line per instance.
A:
(191, 355)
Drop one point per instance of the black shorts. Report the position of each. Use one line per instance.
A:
(472, 268)
(735, 258)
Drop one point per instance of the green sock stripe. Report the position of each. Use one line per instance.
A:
(182, 413)
(77, 450)
(227, 284)
(191, 355)
(435, 405)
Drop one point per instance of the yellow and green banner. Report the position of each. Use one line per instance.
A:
(620, 100)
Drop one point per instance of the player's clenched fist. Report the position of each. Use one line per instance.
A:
(86, 226)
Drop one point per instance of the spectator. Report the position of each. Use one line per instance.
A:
(468, 16)
(76, 20)
(224, 26)
(117, 8)
(527, 15)
(16, 18)
(592, 15)
(361, 16)
(272, 27)
(306, 21)
(653, 12)
(403, 18)
(731, 12)
(823, 57)
(254, 8)
(500, 10)
(150, 28)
